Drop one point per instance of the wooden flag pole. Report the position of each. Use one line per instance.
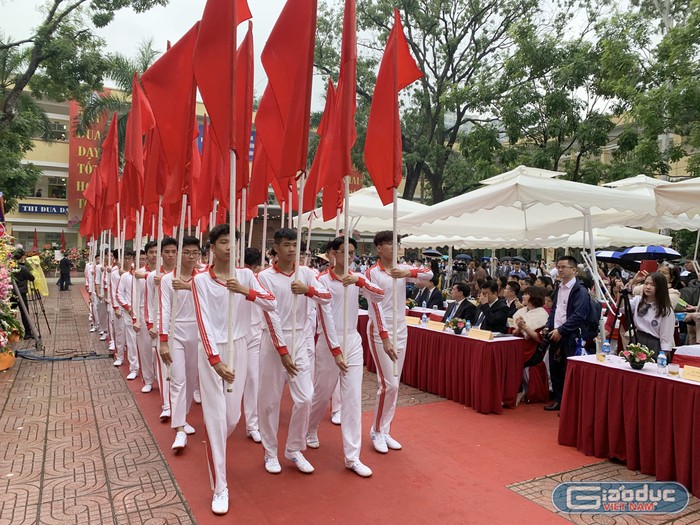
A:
(136, 290)
(290, 210)
(250, 232)
(395, 299)
(230, 351)
(264, 237)
(346, 256)
(283, 214)
(189, 219)
(178, 271)
(296, 261)
(243, 226)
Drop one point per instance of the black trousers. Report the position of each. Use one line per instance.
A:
(25, 320)
(64, 282)
(557, 367)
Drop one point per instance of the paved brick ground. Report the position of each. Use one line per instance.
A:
(74, 447)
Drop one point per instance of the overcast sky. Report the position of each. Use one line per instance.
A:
(123, 35)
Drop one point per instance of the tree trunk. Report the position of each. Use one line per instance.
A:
(412, 177)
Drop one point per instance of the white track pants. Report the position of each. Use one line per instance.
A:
(221, 409)
(118, 334)
(272, 379)
(93, 310)
(144, 343)
(183, 373)
(252, 381)
(162, 377)
(102, 315)
(325, 381)
(132, 351)
(388, 390)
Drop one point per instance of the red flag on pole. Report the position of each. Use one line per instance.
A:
(319, 168)
(155, 176)
(170, 87)
(383, 145)
(288, 61)
(215, 66)
(63, 241)
(244, 108)
(35, 248)
(108, 168)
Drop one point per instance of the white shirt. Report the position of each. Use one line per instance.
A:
(113, 286)
(562, 302)
(535, 318)
(90, 277)
(183, 318)
(211, 299)
(334, 284)
(651, 323)
(125, 291)
(380, 277)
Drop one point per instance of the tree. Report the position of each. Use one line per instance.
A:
(61, 60)
(458, 45)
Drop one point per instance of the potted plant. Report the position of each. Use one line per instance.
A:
(10, 328)
(637, 355)
(411, 303)
(456, 325)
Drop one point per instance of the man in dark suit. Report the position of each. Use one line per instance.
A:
(493, 312)
(419, 293)
(461, 308)
(434, 295)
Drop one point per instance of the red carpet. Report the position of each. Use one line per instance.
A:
(453, 469)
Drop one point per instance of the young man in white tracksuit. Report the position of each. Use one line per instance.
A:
(125, 297)
(211, 290)
(101, 305)
(279, 366)
(252, 380)
(168, 250)
(144, 340)
(379, 330)
(179, 338)
(89, 273)
(117, 324)
(349, 364)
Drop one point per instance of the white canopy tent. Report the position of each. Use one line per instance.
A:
(679, 198)
(367, 213)
(522, 170)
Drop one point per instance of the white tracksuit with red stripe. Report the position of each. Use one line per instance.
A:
(118, 332)
(90, 289)
(179, 330)
(222, 409)
(252, 380)
(101, 305)
(380, 327)
(327, 371)
(144, 342)
(273, 375)
(151, 307)
(125, 297)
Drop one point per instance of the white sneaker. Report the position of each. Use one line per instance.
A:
(219, 504)
(103, 337)
(358, 468)
(272, 465)
(197, 398)
(189, 429)
(300, 461)
(391, 442)
(379, 442)
(146, 388)
(254, 435)
(312, 440)
(180, 441)
(132, 375)
(118, 362)
(93, 329)
(335, 417)
(165, 415)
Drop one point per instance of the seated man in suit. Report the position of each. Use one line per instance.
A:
(434, 295)
(462, 308)
(493, 312)
(510, 295)
(419, 294)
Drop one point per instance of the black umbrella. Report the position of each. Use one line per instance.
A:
(463, 257)
(431, 253)
(615, 257)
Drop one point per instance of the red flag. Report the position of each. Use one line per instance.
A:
(288, 60)
(35, 248)
(63, 241)
(108, 167)
(155, 177)
(397, 70)
(170, 87)
(211, 165)
(215, 66)
(244, 108)
(139, 122)
(316, 178)
(87, 223)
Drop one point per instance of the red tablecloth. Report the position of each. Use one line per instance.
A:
(482, 375)
(648, 421)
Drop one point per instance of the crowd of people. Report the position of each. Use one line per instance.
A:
(288, 328)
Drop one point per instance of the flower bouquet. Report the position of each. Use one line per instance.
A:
(637, 355)
(456, 325)
(411, 303)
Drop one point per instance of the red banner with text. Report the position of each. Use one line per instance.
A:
(83, 155)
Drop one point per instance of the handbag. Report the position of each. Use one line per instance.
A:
(544, 346)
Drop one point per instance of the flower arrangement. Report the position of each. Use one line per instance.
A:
(637, 355)
(411, 303)
(10, 328)
(456, 324)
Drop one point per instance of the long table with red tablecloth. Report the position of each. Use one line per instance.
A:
(484, 375)
(647, 420)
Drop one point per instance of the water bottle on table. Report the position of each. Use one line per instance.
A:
(467, 327)
(424, 320)
(605, 349)
(661, 363)
(424, 305)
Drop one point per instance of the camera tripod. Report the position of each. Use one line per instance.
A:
(624, 302)
(30, 311)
